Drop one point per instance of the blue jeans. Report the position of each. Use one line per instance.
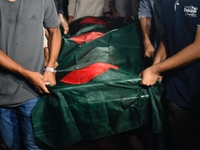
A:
(16, 126)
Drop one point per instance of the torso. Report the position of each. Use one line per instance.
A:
(180, 19)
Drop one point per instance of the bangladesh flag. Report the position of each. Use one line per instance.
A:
(98, 91)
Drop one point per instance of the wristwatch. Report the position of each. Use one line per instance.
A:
(50, 69)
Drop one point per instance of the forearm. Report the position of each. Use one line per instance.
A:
(149, 49)
(160, 54)
(145, 23)
(35, 78)
(9, 64)
(184, 57)
(54, 45)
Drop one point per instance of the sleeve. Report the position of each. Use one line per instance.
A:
(50, 16)
(144, 9)
(198, 19)
(59, 6)
(71, 7)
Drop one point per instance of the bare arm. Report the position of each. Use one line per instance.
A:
(183, 57)
(149, 49)
(54, 42)
(160, 54)
(33, 77)
(63, 23)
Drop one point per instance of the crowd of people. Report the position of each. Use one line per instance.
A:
(170, 28)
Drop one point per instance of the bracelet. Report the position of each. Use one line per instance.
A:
(50, 69)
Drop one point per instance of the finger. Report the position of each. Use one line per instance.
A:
(45, 90)
(142, 83)
(146, 56)
(66, 29)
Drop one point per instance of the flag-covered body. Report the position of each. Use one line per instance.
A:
(98, 91)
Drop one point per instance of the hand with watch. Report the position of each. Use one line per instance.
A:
(49, 76)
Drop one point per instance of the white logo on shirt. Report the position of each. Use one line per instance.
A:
(190, 11)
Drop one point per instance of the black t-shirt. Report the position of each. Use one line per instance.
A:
(180, 20)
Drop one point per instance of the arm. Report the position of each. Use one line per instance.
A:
(35, 78)
(149, 49)
(54, 42)
(183, 57)
(144, 14)
(160, 54)
(63, 21)
(45, 47)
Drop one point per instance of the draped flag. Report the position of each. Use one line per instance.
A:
(98, 91)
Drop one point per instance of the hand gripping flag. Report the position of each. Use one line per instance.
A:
(98, 91)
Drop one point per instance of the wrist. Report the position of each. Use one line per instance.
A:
(156, 69)
(50, 69)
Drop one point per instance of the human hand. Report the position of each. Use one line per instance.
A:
(149, 76)
(65, 26)
(37, 80)
(63, 23)
(149, 50)
(49, 78)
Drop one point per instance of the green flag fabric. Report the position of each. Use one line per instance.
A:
(110, 102)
